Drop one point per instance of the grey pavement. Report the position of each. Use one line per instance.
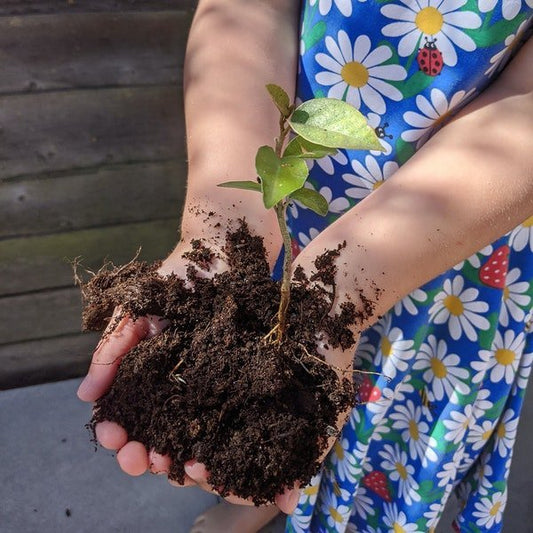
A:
(53, 481)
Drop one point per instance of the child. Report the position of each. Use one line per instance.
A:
(435, 222)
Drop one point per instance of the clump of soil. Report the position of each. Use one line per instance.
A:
(210, 386)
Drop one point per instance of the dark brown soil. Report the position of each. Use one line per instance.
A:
(210, 387)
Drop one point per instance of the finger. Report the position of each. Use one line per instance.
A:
(197, 472)
(110, 351)
(110, 435)
(159, 464)
(133, 458)
(288, 501)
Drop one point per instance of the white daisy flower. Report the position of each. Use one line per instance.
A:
(489, 511)
(514, 299)
(522, 235)
(374, 121)
(415, 432)
(480, 434)
(442, 373)
(363, 504)
(481, 404)
(337, 514)
(499, 59)
(396, 462)
(474, 259)
(433, 114)
(393, 352)
(482, 474)
(510, 8)
(337, 205)
(397, 520)
(442, 21)
(407, 303)
(326, 162)
(380, 407)
(324, 6)
(506, 433)
(306, 239)
(457, 424)
(433, 514)
(460, 309)
(524, 370)
(502, 359)
(344, 462)
(356, 73)
(448, 471)
(368, 177)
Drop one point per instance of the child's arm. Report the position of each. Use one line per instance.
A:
(471, 183)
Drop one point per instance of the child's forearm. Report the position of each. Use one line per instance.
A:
(466, 187)
(235, 48)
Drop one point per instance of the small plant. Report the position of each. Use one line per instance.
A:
(322, 126)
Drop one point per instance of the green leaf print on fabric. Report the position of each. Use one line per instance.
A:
(428, 492)
(497, 33)
(487, 336)
(314, 35)
(404, 151)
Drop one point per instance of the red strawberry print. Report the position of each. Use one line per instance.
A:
(368, 392)
(376, 481)
(493, 272)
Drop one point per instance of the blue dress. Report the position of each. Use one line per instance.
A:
(459, 349)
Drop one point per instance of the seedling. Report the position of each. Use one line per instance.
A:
(321, 126)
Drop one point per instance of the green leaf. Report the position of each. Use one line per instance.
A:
(247, 185)
(312, 199)
(279, 176)
(334, 123)
(314, 35)
(280, 98)
(300, 147)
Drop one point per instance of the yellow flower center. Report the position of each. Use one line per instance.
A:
(486, 436)
(355, 74)
(439, 370)
(313, 489)
(335, 514)
(386, 346)
(413, 430)
(429, 20)
(398, 528)
(506, 293)
(528, 222)
(336, 489)
(339, 450)
(377, 185)
(495, 508)
(454, 305)
(501, 431)
(504, 356)
(401, 470)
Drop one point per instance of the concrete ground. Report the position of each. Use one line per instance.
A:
(52, 481)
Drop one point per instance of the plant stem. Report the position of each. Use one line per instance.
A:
(281, 208)
(285, 295)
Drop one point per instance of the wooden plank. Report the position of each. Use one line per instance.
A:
(36, 263)
(44, 360)
(107, 196)
(58, 131)
(67, 51)
(40, 315)
(22, 7)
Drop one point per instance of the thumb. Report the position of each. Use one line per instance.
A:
(109, 352)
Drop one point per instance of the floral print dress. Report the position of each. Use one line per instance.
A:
(453, 358)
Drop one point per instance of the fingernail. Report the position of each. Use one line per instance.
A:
(84, 389)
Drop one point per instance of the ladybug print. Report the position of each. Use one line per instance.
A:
(429, 58)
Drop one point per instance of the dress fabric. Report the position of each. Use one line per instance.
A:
(454, 356)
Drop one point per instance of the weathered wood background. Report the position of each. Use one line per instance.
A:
(92, 162)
